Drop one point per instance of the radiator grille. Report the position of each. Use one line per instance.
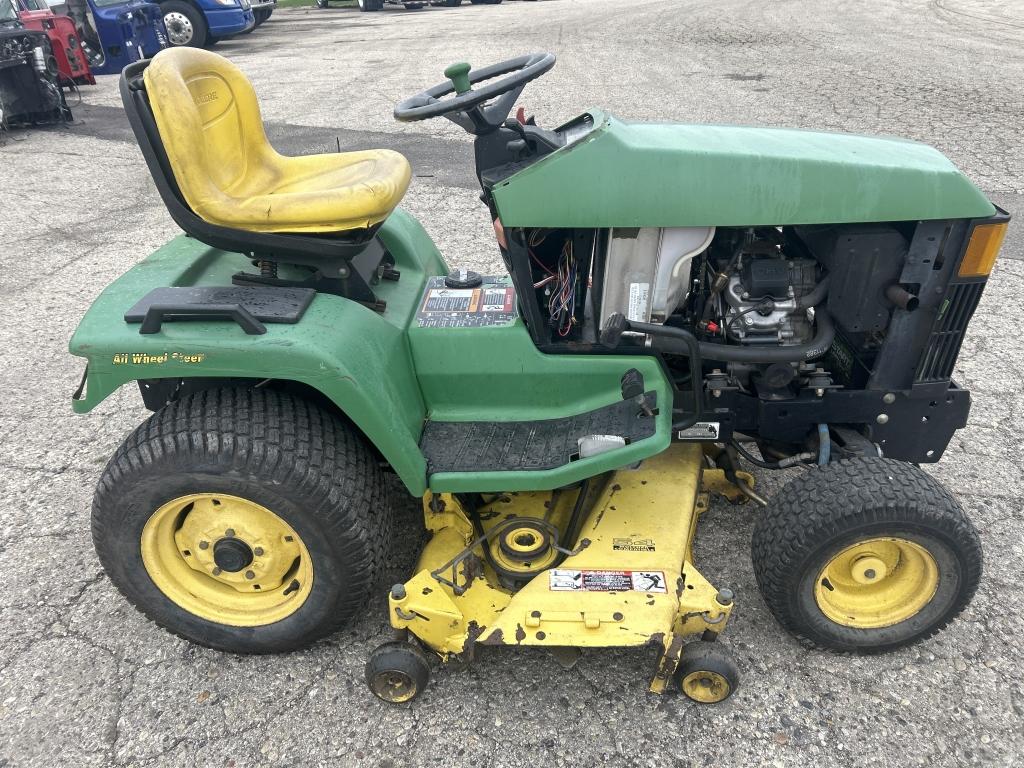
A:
(948, 333)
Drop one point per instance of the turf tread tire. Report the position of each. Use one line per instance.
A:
(827, 503)
(259, 438)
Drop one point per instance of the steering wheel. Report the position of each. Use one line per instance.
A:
(468, 108)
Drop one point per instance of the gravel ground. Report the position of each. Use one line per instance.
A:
(86, 681)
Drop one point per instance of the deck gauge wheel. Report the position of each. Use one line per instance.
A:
(707, 672)
(397, 672)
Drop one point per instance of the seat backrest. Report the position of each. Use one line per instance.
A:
(209, 122)
(329, 255)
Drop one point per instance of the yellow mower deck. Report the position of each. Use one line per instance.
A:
(629, 582)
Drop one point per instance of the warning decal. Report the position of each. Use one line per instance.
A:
(492, 303)
(562, 580)
(639, 295)
(704, 431)
(629, 544)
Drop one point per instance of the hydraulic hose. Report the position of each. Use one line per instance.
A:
(824, 445)
(815, 297)
(666, 339)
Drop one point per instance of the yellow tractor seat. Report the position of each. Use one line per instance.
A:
(212, 134)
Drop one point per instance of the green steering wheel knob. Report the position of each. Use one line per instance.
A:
(459, 75)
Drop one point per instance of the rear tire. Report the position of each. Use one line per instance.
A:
(865, 555)
(186, 26)
(228, 489)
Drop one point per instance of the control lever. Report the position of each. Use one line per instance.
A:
(633, 389)
(613, 329)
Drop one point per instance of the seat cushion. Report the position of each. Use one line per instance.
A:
(212, 132)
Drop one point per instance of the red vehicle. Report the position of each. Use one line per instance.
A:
(67, 46)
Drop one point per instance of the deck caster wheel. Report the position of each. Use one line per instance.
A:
(397, 672)
(707, 673)
(865, 555)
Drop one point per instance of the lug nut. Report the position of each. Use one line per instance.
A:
(216, 571)
(230, 532)
(882, 418)
(258, 551)
(250, 575)
(889, 398)
(204, 545)
(724, 597)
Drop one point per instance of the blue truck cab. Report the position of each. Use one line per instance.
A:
(200, 23)
(115, 33)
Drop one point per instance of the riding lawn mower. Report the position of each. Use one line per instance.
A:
(681, 302)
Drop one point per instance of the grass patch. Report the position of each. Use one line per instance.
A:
(311, 3)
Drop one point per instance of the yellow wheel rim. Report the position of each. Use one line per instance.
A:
(706, 687)
(227, 559)
(877, 583)
(394, 686)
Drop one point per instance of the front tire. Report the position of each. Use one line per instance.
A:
(186, 26)
(865, 555)
(249, 521)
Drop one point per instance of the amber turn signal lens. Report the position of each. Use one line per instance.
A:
(982, 250)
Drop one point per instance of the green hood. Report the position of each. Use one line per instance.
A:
(666, 175)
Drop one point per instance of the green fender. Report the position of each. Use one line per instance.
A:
(358, 358)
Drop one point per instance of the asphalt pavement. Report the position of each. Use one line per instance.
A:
(86, 681)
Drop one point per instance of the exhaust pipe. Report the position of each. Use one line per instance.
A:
(902, 298)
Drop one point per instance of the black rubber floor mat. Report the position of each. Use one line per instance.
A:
(511, 446)
(268, 305)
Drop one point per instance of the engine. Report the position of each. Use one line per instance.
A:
(762, 300)
(753, 290)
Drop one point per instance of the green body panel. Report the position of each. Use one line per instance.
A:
(386, 374)
(358, 358)
(667, 175)
(498, 374)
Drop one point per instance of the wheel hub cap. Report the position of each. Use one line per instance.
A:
(232, 555)
(877, 583)
(179, 28)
